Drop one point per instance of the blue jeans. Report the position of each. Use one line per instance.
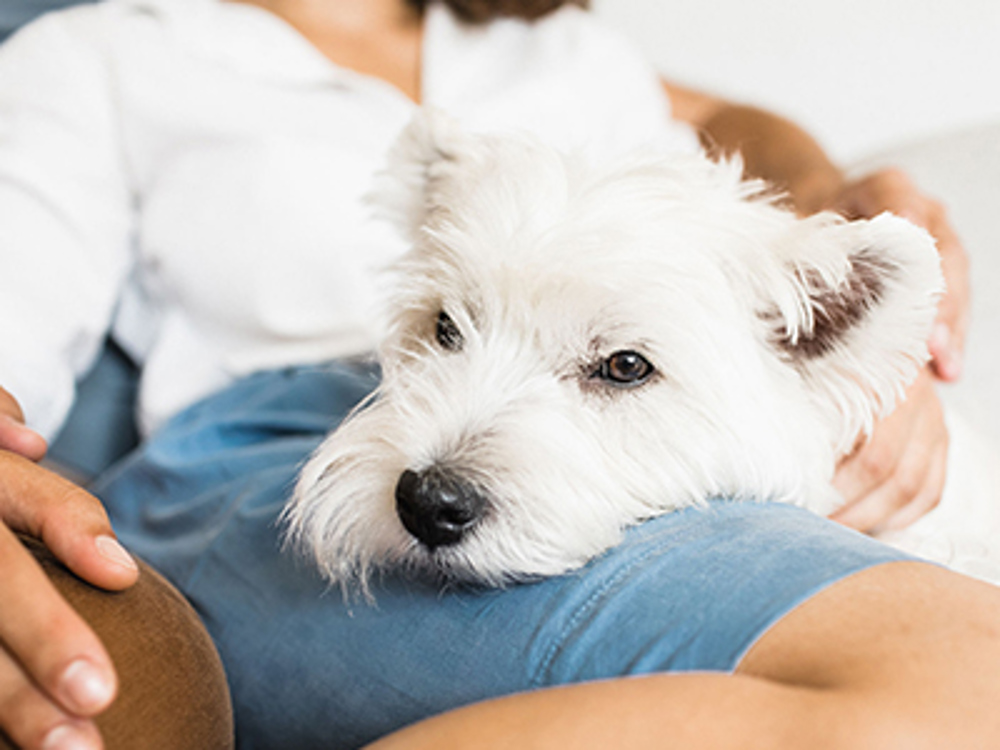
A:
(691, 590)
(16, 13)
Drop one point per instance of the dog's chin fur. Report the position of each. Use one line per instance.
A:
(775, 340)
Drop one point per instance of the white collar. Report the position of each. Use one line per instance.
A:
(259, 43)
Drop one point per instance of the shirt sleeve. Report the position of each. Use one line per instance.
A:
(65, 210)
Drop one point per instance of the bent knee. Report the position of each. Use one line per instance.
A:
(172, 688)
(911, 649)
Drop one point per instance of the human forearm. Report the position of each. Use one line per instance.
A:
(778, 151)
(772, 148)
(67, 207)
(897, 656)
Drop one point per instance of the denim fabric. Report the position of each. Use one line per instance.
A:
(16, 13)
(100, 428)
(691, 590)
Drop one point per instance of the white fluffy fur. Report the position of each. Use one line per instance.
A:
(548, 264)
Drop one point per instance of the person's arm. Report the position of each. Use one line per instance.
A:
(63, 251)
(905, 655)
(779, 151)
(772, 148)
(66, 204)
(899, 473)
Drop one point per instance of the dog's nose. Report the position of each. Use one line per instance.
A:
(437, 507)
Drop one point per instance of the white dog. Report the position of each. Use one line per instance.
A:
(576, 347)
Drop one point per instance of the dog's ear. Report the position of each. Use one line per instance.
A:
(415, 179)
(851, 311)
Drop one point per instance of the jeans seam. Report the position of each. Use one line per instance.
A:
(540, 678)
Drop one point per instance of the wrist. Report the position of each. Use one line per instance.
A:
(778, 151)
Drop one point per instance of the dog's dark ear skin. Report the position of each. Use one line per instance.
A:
(835, 311)
(850, 308)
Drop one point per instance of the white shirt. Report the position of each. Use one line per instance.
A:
(189, 174)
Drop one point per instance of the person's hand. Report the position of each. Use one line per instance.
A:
(891, 190)
(55, 675)
(898, 475)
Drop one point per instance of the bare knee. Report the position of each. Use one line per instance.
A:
(908, 653)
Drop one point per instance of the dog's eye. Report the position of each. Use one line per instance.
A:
(625, 368)
(447, 333)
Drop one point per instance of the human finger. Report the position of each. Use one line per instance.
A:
(66, 518)
(51, 643)
(894, 468)
(14, 435)
(925, 501)
(947, 342)
(872, 462)
(882, 496)
(856, 477)
(909, 489)
(32, 721)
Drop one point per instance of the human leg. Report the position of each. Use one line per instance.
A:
(172, 691)
(897, 656)
(689, 591)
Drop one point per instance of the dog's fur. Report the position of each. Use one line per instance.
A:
(577, 347)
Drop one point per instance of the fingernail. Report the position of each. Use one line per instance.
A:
(112, 551)
(947, 359)
(951, 367)
(67, 737)
(940, 337)
(85, 687)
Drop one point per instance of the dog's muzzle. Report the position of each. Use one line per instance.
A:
(437, 507)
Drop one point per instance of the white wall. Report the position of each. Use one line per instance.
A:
(858, 74)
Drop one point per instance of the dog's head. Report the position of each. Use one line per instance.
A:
(575, 347)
